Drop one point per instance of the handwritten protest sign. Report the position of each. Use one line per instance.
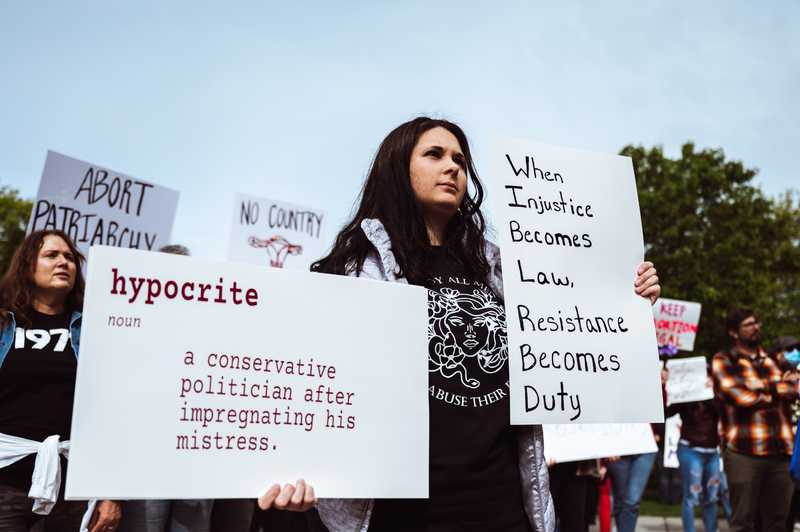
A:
(672, 436)
(276, 233)
(688, 380)
(96, 205)
(581, 343)
(568, 443)
(219, 379)
(676, 322)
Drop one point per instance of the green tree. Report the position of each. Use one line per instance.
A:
(717, 239)
(14, 214)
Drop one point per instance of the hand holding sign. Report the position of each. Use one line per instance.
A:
(646, 283)
(294, 498)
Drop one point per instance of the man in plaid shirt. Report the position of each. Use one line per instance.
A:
(757, 437)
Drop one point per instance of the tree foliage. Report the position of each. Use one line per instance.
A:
(717, 239)
(14, 214)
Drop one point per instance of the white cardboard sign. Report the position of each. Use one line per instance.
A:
(688, 380)
(276, 233)
(581, 343)
(96, 205)
(568, 443)
(672, 436)
(676, 322)
(277, 375)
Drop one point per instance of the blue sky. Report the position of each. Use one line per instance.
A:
(291, 101)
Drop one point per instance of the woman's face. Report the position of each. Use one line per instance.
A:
(55, 269)
(438, 173)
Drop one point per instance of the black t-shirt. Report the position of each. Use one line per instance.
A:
(474, 479)
(37, 386)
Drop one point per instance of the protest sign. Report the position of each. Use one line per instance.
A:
(96, 205)
(676, 322)
(672, 435)
(688, 380)
(219, 379)
(568, 443)
(581, 343)
(276, 233)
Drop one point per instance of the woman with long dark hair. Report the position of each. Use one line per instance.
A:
(41, 296)
(419, 221)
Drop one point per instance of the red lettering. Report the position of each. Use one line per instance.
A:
(189, 290)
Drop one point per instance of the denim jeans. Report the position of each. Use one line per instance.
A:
(725, 496)
(701, 481)
(166, 516)
(629, 477)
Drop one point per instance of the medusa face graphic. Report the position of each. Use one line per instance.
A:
(465, 329)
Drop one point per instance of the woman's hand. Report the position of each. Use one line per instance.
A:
(297, 498)
(106, 517)
(646, 283)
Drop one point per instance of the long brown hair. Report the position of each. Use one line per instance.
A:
(387, 195)
(16, 287)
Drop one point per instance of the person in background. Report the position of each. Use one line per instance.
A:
(41, 298)
(786, 351)
(753, 391)
(152, 515)
(418, 223)
(699, 460)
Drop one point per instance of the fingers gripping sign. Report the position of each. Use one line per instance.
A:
(299, 497)
(646, 283)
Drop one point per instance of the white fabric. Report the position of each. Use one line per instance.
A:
(88, 515)
(46, 478)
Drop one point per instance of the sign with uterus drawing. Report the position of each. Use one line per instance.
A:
(276, 233)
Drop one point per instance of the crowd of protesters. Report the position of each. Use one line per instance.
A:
(416, 220)
(736, 452)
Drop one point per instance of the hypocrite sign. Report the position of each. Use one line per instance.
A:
(581, 343)
(96, 205)
(276, 233)
(220, 379)
(676, 322)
